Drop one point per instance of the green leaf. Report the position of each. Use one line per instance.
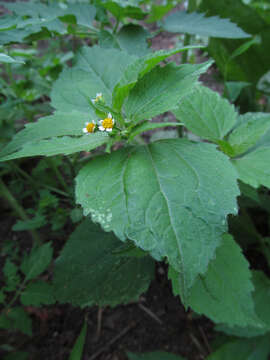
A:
(157, 355)
(16, 319)
(37, 294)
(137, 69)
(35, 223)
(65, 145)
(146, 126)
(252, 349)
(224, 292)
(261, 298)
(58, 124)
(252, 126)
(18, 355)
(161, 196)
(77, 351)
(234, 88)
(206, 114)
(123, 8)
(133, 39)
(252, 168)
(96, 70)
(161, 89)
(98, 275)
(37, 261)
(12, 278)
(8, 59)
(198, 24)
(252, 64)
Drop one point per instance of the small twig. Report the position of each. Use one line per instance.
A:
(112, 341)
(205, 340)
(151, 314)
(99, 322)
(197, 344)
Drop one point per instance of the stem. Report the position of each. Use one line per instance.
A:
(116, 26)
(192, 5)
(58, 175)
(17, 208)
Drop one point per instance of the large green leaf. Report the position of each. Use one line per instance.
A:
(252, 168)
(261, 298)
(252, 126)
(206, 114)
(252, 349)
(161, 196)
(198, 24)
(224, 293)
(89, 270)
(161, 89)
(65, 145)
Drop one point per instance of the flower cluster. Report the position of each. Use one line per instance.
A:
(106, 124)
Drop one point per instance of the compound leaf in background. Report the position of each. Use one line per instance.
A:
(252, 126)
(37, 261)
(205, 113)
(161, 197)
(198, 24)
(251, 349)
(98, 275)
(252, 167)
(224, 292)
(161, 89)
(37, 293)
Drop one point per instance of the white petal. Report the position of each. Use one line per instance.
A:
(108, 130)
(99, 94)
(100, 122)
(94, 122)
(113, 121)
(86, 123)
(110, 116)
(93, 101)
(101, 128)
(84, 130)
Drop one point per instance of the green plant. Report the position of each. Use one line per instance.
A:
(186, 200)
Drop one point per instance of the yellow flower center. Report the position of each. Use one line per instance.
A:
(98, 98)
(90, 127)
(107, 123)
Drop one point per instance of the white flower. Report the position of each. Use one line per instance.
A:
(107, 123)
(89, 127)
(97, 98)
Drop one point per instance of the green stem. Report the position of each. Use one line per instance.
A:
(116, 26)
(58, 175)
(4, 191)
(192, 6)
